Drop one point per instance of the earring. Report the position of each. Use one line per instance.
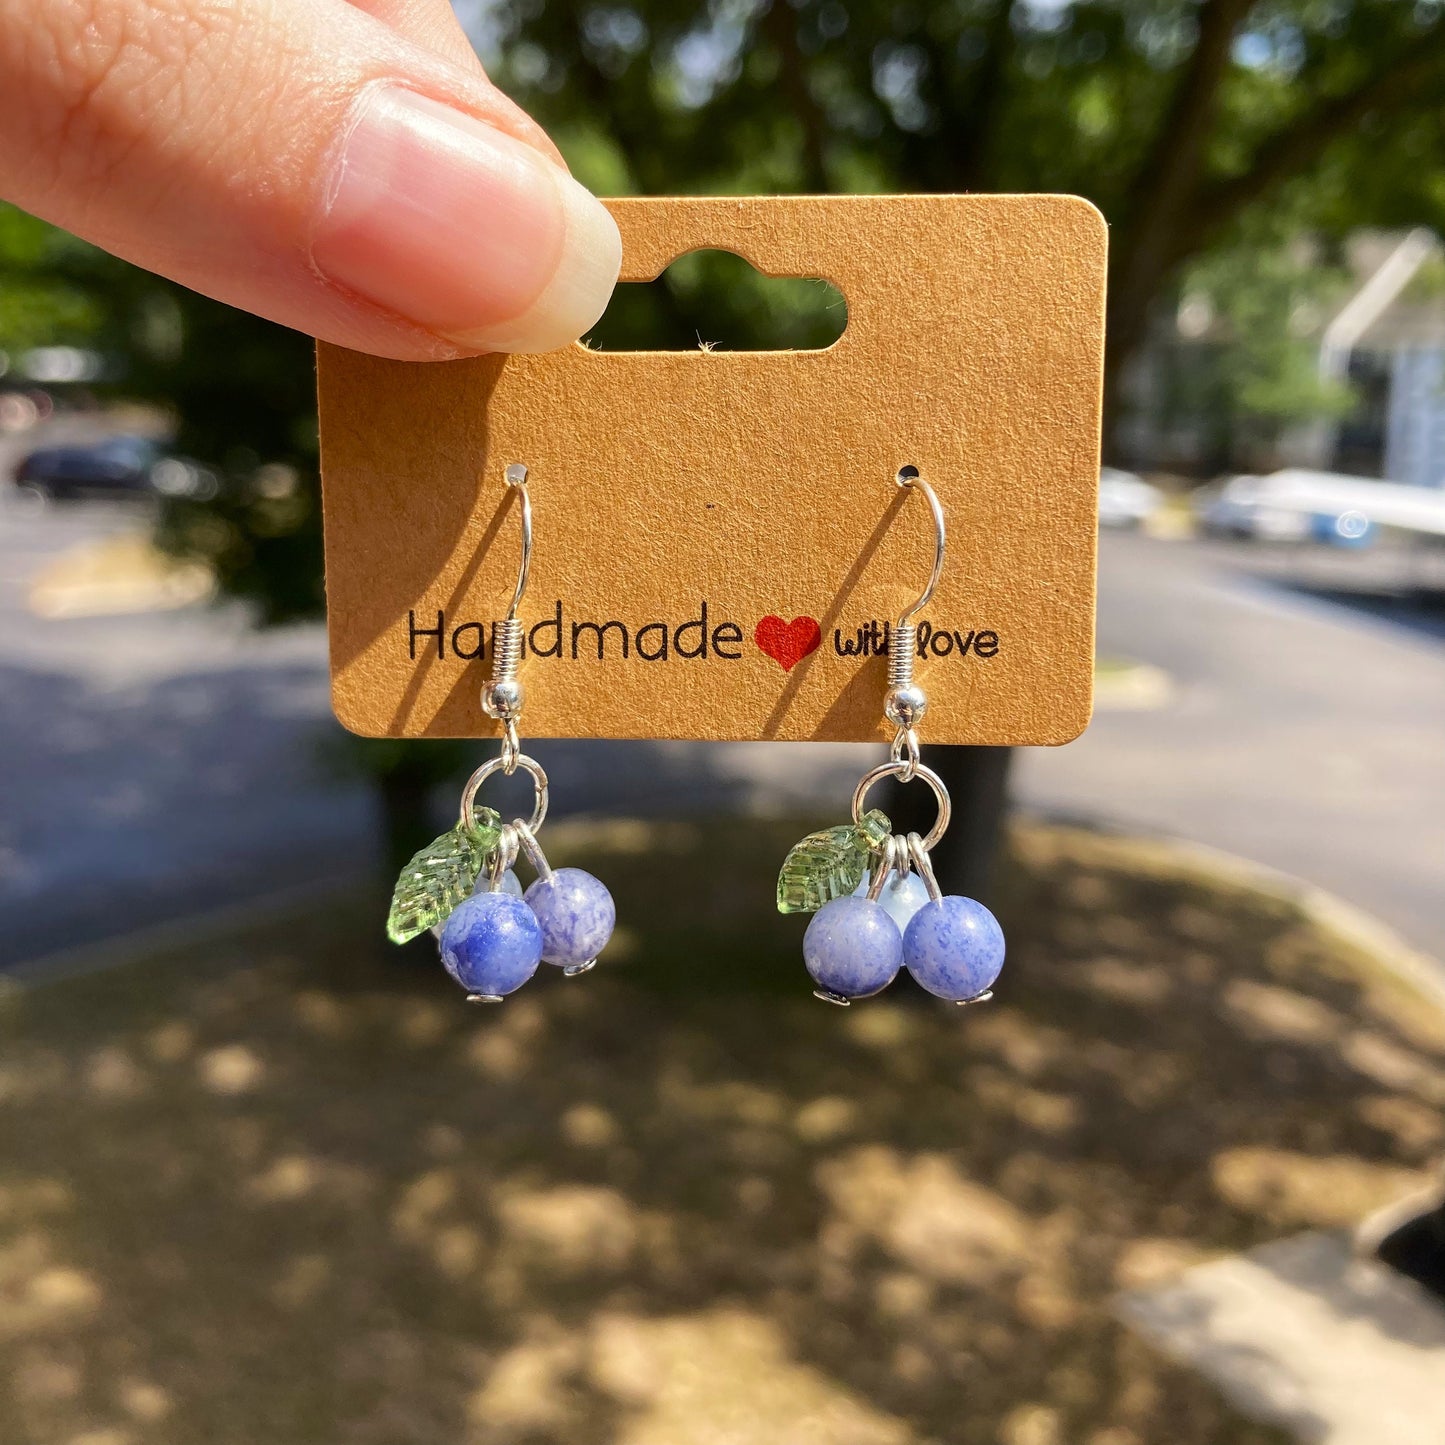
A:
(461, 886)
(876, 904)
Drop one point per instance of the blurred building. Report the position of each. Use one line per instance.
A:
(1382, 337)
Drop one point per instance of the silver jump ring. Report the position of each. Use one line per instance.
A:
(892, 857)
(905, 740)
(511, 747)
(503, 858)
(498, 765)
(918, 856)
(894, 768)
(532, 848)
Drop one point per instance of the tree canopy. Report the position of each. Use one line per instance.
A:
(1197, 126)
(1175, 117)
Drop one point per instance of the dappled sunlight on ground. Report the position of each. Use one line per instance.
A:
(293, 1189)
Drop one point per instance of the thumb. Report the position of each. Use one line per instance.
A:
(300, 159)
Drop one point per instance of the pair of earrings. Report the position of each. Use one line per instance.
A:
(877, 906)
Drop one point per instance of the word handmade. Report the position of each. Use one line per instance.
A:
(557, 636)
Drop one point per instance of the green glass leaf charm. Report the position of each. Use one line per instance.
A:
(440, 876)
(829, 864)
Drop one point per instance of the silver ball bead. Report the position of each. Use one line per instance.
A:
(905, 706)
(503, 699)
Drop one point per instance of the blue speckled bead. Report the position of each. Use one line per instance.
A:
(491, 944)
(852, 947)
(510, 883)
(954, 948)
(576, 914)
(901, 897)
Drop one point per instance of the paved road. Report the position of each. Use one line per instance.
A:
(157, 765)
(1306, 734)
(150, 765)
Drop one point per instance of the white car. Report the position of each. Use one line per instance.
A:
(1252, 507)
(1297, 505)
(1126, 500)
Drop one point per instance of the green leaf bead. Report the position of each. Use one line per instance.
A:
(873, 829)
(829, 864)
(440, 876)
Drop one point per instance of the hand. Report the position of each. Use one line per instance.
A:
(343, 168)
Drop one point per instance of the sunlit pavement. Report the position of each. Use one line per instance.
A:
(158, 765)
(1303, 733)
(291, 1189)
(1307, 1333)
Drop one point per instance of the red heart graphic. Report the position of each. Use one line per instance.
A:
(788, 643)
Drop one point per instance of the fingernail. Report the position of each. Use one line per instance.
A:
(464, 230)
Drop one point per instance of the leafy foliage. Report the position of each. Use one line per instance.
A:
(1176, 117)
(1255, 312)
(1184, 120)
(43, 299)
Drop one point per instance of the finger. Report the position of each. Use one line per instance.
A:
(434, 25)
(431, 23)
(303, 161)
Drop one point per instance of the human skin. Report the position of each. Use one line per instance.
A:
(343, 167)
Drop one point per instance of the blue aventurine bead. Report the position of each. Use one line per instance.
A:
(576, 914)
(901, 897)
(852, 947)
(509, 883)
(491, 944)
(954, 948)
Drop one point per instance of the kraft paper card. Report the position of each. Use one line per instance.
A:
(719, 539)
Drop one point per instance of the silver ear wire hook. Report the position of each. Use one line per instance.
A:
(909, 477)
(906, 702)
(503, 695)
(516, 475)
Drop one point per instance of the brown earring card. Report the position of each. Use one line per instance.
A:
(719, 539)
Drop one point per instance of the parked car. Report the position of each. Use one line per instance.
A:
(123, 466)
(1249, 507)
(1126, 500)
(1297, 505)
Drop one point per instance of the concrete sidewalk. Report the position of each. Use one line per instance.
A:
(1304, 1333)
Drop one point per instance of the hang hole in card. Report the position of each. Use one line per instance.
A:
(714, 300)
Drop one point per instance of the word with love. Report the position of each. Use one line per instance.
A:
(871, 640)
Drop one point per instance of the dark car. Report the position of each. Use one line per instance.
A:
(117, 467)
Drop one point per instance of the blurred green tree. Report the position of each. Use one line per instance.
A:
(1247, 369)
(42, 301)
(1176, 117)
